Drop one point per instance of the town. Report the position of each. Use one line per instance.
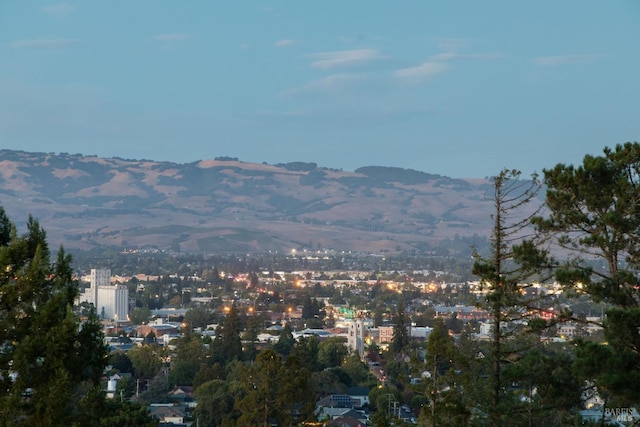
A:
(352, 315)
(536, 326)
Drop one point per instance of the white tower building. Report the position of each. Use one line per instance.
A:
(356, 335)
(111, 301)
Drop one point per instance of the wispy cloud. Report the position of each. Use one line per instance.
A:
(43, 43)
(171, 37)
(245, 45)
(344, 58)
(450, 43)
(438, 64)
(60, 10)
(449, 56)
(422, 72)
(549, 61)
(285, 42)
(330, 83)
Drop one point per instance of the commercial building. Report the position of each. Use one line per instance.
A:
(357, 333)
(111, 301)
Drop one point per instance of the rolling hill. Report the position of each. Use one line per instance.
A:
(231, 206)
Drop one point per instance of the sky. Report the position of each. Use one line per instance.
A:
(456, 88)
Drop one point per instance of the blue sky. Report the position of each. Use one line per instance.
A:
(458, 88)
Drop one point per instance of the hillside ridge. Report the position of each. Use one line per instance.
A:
(227, 205)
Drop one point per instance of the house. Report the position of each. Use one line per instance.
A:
(343, 415)
(567, 330)
(344, 405)
(359, 395)
(182, 395)
(345, 422)
(337, 401)
(167, 413)
(327, 413)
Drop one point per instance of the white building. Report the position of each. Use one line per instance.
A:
(356, 331)
(420, 332)
(111, 301)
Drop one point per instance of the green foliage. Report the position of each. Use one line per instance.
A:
(125, 414)
(310, 307)
(199, 317)
(207, 373)
(329, 381)
(544, 385)
(513, 264)
(48, 356)
(51, 361)
(397, 371)
(139, 315)
(120, 361)
(381, 396)
(380, 419)
(400, 329)
(306, 351)
(378, 315)
(440, 350)
(215, 403)
(5, 228)
(125, 388)
(332, 351)
(146, 361)
(155, 392)
(229, 342)
(253, 328)
(190, 354)
(297, 395)
(285, 341)
(356, 369)
(276, 391)
(594, 210)
(260, 403)
(447, 405)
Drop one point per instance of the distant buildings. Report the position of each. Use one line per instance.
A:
(111, 301)
(361, 333)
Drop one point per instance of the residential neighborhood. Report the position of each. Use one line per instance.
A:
(327, 307)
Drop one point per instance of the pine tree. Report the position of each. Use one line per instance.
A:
(445, 399)
(509, 270)
(215, 403)
(230, 342)
(595, 215)
(296, 395)
(378, 315)
(400, 330)
(50, 361)
(261, 403)
(285, 341)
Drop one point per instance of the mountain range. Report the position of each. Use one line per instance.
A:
(229, 206)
